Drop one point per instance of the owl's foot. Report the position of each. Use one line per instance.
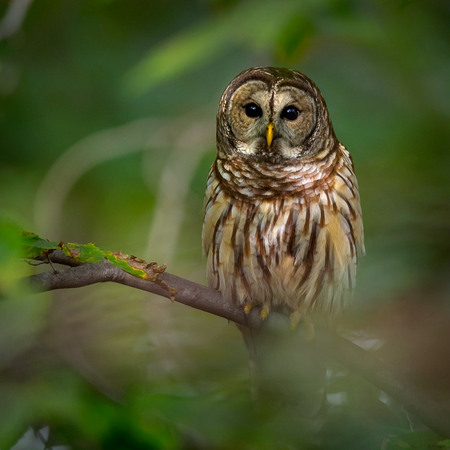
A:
(249, 306)
(308, 324)
(264, 314)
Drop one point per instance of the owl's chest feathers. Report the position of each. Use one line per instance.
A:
(252, 179)
(298, 247)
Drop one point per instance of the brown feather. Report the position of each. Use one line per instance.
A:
(281, 229)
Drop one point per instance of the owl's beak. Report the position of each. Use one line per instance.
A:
(269, 134)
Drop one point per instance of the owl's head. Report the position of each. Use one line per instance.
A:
(274, 115)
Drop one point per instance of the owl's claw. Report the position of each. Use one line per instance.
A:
(248, 307)
(264, 310)
(264, 314)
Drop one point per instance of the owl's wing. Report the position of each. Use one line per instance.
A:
(328, 240)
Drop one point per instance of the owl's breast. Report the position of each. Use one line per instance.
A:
(295, 251)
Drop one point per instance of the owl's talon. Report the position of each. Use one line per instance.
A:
(249, 306)
(264, 314)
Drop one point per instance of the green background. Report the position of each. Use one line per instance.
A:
(107, 132)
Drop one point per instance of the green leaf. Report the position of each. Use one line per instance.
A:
(34, 246)
(85, 253)
(12, 268)
(124, 265)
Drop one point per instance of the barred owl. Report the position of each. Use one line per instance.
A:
(282, 226)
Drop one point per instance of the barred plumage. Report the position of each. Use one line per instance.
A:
(282, 225)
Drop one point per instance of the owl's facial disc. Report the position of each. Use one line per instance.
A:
(271, 122)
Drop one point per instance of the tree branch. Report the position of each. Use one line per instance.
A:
(432, 413)
(188, 292)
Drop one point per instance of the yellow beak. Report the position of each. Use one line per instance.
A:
(269, 134)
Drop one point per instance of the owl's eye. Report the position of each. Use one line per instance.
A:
(252, 110)
(290, 112)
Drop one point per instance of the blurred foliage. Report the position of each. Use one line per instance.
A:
(107, 117)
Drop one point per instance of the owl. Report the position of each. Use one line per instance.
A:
(282, 226)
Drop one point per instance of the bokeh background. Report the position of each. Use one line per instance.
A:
(107, 132)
